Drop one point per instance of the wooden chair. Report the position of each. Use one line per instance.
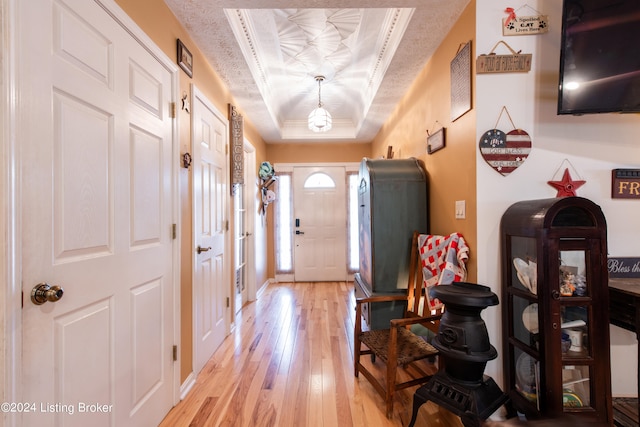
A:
(397, 346)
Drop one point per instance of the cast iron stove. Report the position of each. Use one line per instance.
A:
(463, 341)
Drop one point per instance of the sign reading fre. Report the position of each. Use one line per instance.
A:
(625, 184)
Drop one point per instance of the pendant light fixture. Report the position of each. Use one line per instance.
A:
(319, 118)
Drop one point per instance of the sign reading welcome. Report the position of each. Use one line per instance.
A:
(237, 148)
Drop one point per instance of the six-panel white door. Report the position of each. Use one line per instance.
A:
(210, 191)
(96, 170)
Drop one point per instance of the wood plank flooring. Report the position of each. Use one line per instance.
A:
(625, 412)
(289, 362)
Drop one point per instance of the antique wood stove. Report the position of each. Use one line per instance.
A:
(463, 341)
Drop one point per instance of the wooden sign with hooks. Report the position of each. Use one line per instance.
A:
(492, 63)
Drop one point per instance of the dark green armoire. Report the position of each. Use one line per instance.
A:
(392, 204)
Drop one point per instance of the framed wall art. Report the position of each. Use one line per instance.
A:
(461, 82)
(185, 59)
(435, 141)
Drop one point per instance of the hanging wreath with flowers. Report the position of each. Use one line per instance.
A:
(266, 171)
(267, 175)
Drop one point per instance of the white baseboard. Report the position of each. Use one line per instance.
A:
(263, 288)
(284, 278)
(187, 385)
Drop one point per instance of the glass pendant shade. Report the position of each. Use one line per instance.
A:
(319, 118)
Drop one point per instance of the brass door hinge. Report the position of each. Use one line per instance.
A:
(175, 353)
(227, 302)
(174, 231)
(172, 110)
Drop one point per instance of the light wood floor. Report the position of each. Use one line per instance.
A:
(289, 362)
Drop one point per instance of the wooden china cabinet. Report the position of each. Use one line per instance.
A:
(555, 308)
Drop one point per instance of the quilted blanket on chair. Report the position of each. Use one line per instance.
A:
(443, 261)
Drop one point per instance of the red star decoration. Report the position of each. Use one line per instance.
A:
(566, 187)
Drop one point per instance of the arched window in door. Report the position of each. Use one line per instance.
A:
(319, 180)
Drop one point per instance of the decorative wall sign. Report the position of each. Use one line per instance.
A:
(435, 141)
(625, 184)
(514, 25)
(461, 82)
(492, 63)
(505, 152)
(237, 148)
(185, 59)
(624, 267)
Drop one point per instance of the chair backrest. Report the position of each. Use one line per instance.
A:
(418, 301)
(414, 287)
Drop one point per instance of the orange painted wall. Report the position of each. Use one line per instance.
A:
(317, 153)
(159, 23)
(426, 106)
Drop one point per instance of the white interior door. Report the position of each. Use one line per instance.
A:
(242, 236)
(210, 192)
(98, 195)
(320, 223)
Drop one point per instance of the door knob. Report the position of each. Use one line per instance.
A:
(201, 249)
(43, 292)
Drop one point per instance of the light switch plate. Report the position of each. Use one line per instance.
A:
(461, 209)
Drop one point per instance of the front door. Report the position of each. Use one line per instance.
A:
(210, 191)
(96, 140)
(320, 223)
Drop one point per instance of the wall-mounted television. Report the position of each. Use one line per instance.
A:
(600, 57)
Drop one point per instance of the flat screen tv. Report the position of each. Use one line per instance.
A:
(600, 57)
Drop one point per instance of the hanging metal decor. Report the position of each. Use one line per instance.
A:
(237, 148)
(505, 152)
(567, 186)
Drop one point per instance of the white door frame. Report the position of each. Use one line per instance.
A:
(250, 206)
(10, 183)
(10, 227)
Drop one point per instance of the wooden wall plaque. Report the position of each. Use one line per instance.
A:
(237, 148)
(623, 267)
(515, 63)
(625, 184)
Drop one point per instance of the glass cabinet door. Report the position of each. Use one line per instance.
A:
(524, 334)
(575, 302)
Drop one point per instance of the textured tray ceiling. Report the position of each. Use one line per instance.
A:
(269, 52)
